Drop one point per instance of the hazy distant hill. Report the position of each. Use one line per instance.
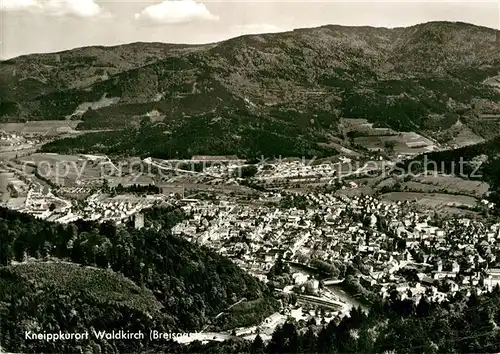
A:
(244, 92)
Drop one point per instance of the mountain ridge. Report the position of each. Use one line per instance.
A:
(300, 82)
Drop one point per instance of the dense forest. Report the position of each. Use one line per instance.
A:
(183, 286)
(465, 324)
(225, 132)
(98, 276)
(234, 97)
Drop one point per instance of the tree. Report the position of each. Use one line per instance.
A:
(423, 307)
(284, 339)
(105, 185)
(257, 346)
(154, 258)
(6, 254)
(389, 146)
(308, 341)
(248, 171)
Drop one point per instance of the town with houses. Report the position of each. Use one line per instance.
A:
(334, 241)
(398, 249)
(265, 183)
(342, 242)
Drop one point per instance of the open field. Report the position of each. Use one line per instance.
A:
(352, 192)
(51, 158)
(432, 200)
(412, 186)
(438, 184)
(454, 184)
(102, 103)
(403, 143)
(464, 136)
(61, 169)
(40, 127)
(362, 125)
(7, 155)
(355, 122)
(341, 149)
(384, 139)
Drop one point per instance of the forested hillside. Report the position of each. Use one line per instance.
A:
(464, 324)
(138, 279)
(237, 95)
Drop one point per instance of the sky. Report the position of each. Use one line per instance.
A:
(40, 26)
